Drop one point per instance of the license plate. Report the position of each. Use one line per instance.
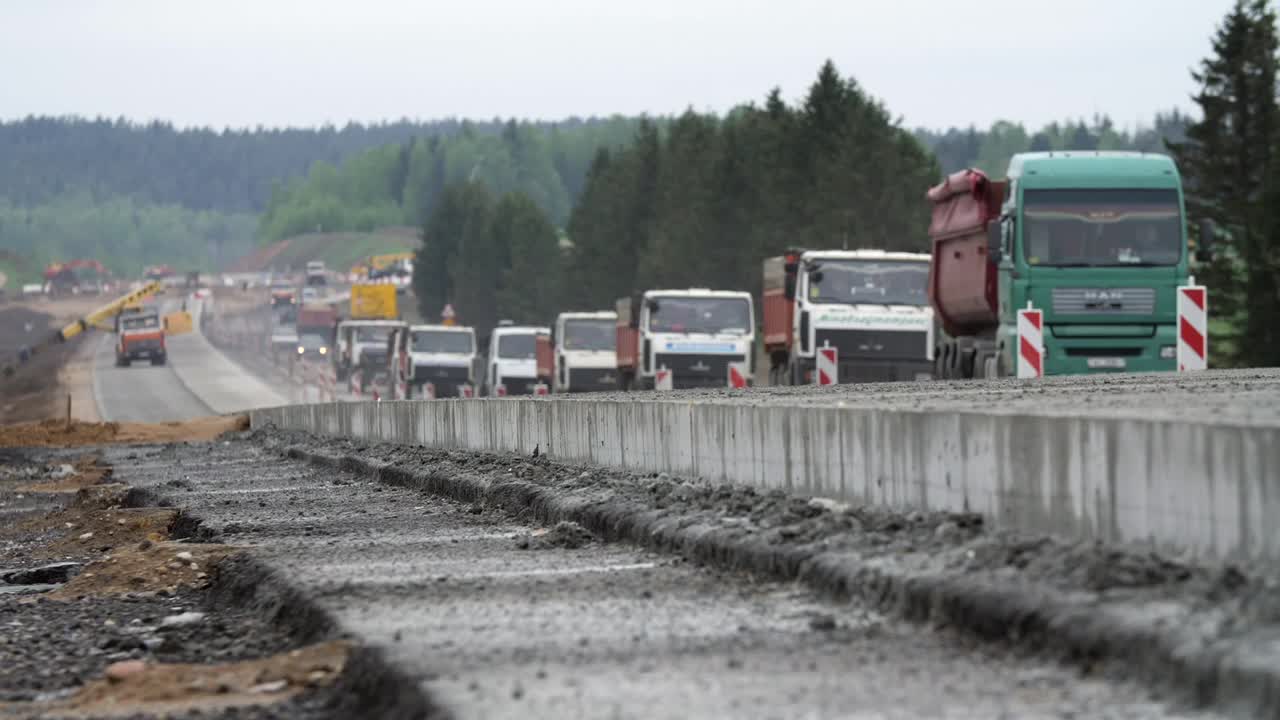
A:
(1106, 363)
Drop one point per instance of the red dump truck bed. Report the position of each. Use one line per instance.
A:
(318, 320)
(628, 333)
(545, 358)
(962, 277)
(779, 298)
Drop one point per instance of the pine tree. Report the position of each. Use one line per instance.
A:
(1228, 160)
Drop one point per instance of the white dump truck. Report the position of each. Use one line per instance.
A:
(872, 306)
(438, 358)
(512, 364)
(696, 335)
(362, 345)
(585, 352)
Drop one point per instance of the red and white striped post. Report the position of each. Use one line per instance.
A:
(737, 375)
(500, 390)
(663, 380)
(1030, 342)
(429, 391)
(541, 389)
(827, 369)
(466, 391)
(1193, 327)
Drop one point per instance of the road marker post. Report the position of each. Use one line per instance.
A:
(663, 380)
(1030, 342)
(429, 391)
(827, 369)
(1193, 327)
(541, 389)
(737, 375)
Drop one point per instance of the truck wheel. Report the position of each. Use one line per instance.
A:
(122, 362)
(797, 373)
(159, 360)
(968, 361)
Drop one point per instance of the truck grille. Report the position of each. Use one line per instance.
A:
(440, 375)
(1104, 301)
(148, 344)
(906, 344)
(714, 368)
(585, 379)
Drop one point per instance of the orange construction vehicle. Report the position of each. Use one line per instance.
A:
(139, 334)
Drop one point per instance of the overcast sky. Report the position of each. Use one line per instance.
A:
(306, 62)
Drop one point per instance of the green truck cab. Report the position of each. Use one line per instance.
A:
(1095, 240)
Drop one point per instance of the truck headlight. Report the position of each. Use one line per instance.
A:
(301, 350)
(1168, 352)
(324, 351)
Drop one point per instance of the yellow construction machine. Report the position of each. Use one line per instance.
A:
(379, 263)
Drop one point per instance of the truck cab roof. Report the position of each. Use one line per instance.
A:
(596, 315)
(371, 323)
(700, 292)
(521, 330)
(864, 254)
(1097, 169)
(443, 328)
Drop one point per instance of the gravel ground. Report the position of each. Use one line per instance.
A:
(494, 615)
(48, 646)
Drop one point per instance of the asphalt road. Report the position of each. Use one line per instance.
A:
(493, 630)
(141, 392)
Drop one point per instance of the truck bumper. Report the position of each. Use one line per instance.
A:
(592, 379)
(864, 371)
(1077, 356)
(519, 385)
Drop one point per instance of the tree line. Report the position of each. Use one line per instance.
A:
(123, 234)
(66, 183)
(1230, 162)
(697, 200)
(400, 184)
(989, 150)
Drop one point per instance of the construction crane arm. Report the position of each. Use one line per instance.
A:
(108, 311)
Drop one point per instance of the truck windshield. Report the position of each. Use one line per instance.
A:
(442, 341)
(372, 334)
(589, 335)
(671, 314)
(145, 322)
(862, 281)
(517, 347)
(1092, 228)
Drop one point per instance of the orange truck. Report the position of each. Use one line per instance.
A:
(139, 335)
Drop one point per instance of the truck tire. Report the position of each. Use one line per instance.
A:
(122, 361)
(159, 360)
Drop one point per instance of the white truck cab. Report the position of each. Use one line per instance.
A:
(362, 345)
(872, 306)
(442, 355)
(585, 352)
(512, 359)
(696, 334)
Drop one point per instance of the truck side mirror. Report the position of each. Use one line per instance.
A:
(994, 233)
(1204, 248)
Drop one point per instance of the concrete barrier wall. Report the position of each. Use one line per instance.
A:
(1209, 490)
